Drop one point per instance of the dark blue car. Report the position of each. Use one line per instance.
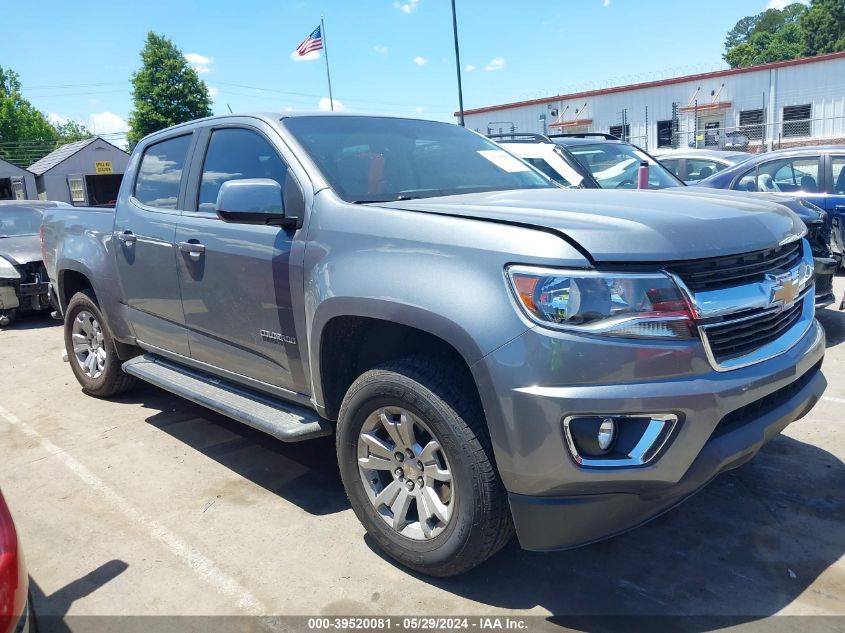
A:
(816, 174)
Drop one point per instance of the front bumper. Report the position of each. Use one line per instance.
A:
(725, 418)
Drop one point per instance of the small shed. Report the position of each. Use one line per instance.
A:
(83, 173)
(16, 183)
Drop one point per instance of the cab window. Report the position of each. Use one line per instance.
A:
(235, 154)
(160, 173)
(748, 181)
(672, 164)
(838, 164)
(789, 175)
(699, 168)
(543, 166)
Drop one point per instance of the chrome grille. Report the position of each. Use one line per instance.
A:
(735, 270)
(742, 336)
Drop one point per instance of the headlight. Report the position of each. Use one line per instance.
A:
(613, 304)
(7, 271)
(821, 214)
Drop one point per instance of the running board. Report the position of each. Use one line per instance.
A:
(285, 421)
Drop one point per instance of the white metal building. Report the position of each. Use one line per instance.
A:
(782, 104)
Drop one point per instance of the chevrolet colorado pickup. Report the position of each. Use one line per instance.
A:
(493, 353)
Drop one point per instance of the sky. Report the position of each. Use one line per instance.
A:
(75, 59)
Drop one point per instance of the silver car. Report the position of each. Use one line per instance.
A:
(693, 165)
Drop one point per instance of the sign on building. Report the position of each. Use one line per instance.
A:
(103, 167)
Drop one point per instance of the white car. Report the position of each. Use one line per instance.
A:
(589, 160)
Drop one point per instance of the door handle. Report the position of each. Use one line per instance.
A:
(193, 249)
(127, 237)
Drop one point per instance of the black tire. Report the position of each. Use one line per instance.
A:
(112, 380)
(481, 522)
(9, 318)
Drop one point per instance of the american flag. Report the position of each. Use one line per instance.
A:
(313, 42)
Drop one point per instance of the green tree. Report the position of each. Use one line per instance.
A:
(741, 32)
(25, 133)
(823, 25)
(166, 91)
(71, 131)
(770, 36)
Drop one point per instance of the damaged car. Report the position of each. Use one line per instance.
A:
(24, 285)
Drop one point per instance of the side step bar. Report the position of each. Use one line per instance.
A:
(285, 421)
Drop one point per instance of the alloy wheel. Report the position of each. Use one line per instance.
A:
(88, 346)
(405, 473)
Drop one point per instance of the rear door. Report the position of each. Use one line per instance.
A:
(144, 232)
(237, 280)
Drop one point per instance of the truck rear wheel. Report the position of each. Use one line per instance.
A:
(90, 349)
(418, 469)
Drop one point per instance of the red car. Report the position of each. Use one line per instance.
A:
(14, 582)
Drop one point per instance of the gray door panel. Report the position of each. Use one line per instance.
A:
(147, 269)
(236, 298)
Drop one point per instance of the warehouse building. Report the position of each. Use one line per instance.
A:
(84, 173)
(782, 104)
(16, 183)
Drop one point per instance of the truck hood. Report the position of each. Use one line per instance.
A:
(631, 226)
(21, 249)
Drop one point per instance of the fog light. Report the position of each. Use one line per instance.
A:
(607, 431)
(614, 441)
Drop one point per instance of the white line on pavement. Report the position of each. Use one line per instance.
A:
(832, 399)
(202, 566)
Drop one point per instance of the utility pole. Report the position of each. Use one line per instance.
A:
(458, 62)
(326, 55)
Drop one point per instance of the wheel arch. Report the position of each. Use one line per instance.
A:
(352, 335)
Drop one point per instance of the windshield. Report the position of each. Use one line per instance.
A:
(614, 166)
(17, 222)
(374, 159)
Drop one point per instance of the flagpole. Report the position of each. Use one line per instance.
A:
(458, 62)
(326, 53)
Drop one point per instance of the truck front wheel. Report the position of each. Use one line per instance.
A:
(90, 348)
(418, 469)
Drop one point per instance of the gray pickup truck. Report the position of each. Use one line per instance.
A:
(493, 353)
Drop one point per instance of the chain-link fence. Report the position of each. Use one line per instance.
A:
(762, 137)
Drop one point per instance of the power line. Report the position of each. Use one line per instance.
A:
(103, 83)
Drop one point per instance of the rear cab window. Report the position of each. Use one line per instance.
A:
(160, 173)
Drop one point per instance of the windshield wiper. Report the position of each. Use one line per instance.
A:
(407, 194)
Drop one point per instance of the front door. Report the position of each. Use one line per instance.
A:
(145, 228)
(835, 202)
(237, 279)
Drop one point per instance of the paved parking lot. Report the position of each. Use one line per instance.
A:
(151, 505)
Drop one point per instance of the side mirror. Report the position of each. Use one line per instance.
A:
(251, 201)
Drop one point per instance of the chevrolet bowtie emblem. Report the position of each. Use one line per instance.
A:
(785, 292)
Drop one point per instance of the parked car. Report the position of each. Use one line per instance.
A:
(15, 616)
(591, 160)
(598, 160)
(816, 174)
(492, 352)
(818, 236)
(23, 280)
(693, 165)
